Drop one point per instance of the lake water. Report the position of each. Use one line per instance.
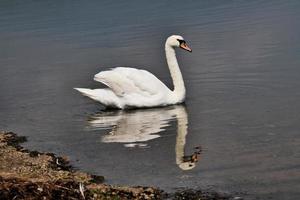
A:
(242, 79)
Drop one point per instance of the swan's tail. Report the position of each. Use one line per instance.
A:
(86, 92)
(104, 96)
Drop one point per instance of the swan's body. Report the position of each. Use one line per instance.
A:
(131, 87)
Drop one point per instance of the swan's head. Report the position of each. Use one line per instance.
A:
(178, 41)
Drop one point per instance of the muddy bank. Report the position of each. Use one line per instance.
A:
(28, 174)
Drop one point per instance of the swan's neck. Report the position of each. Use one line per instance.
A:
(179, 88)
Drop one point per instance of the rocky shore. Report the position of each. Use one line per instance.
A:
(26, 174)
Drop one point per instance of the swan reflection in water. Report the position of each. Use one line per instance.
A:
(136, 127)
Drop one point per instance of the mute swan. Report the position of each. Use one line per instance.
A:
(130, 87)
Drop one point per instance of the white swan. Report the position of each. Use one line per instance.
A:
(130, 87)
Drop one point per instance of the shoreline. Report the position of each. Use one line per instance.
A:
(26, 174)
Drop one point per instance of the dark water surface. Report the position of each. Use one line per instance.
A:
(242, 79)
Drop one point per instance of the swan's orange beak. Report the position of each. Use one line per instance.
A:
(185, 47)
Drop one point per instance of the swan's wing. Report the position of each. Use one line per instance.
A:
(124, 80)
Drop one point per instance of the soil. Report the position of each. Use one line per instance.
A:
(26, 174)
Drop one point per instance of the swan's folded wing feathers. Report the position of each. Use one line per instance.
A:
(123, 80)
(115, 81)
(143, 80)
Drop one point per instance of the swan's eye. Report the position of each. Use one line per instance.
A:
(181, 41)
